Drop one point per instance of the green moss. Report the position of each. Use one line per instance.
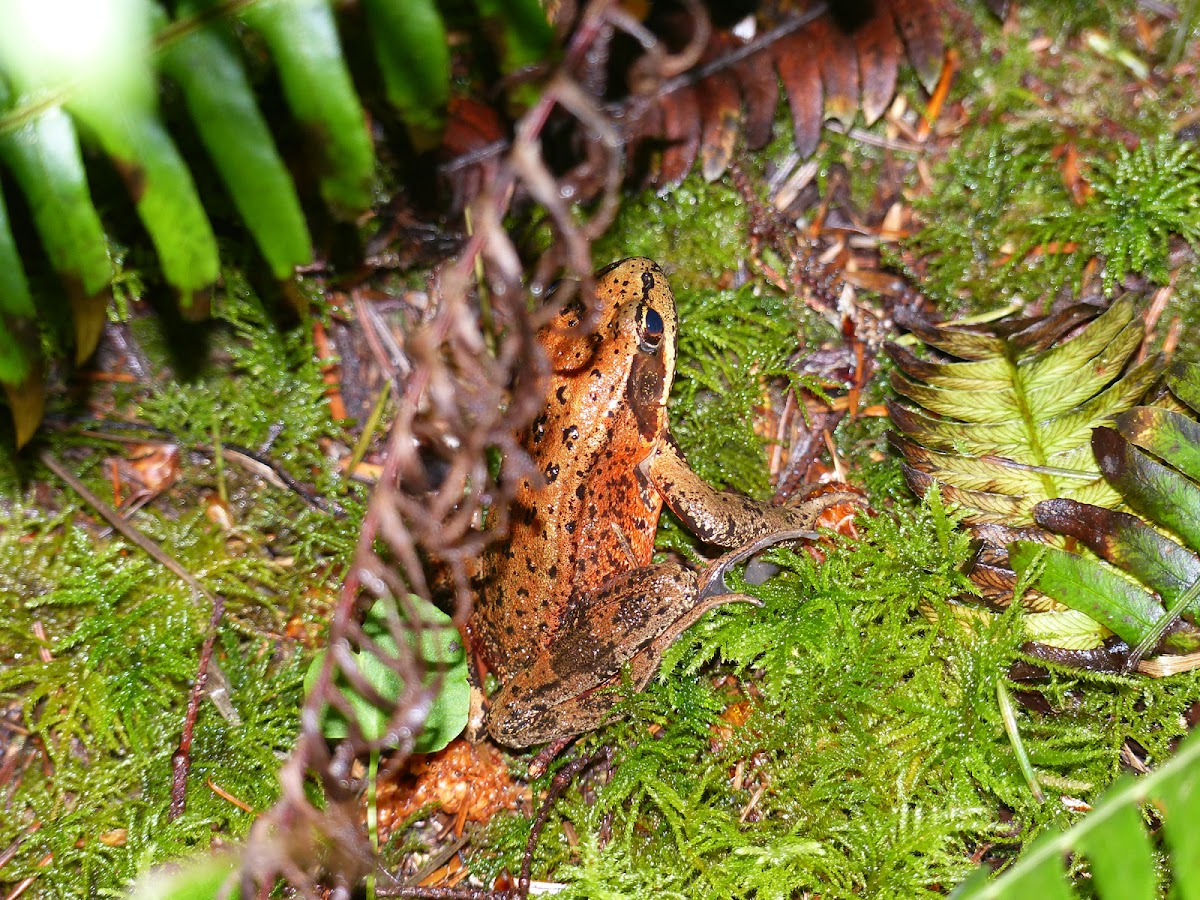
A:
(872, 760)
(664, 228)
(123, 635)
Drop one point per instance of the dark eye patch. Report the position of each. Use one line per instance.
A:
(654, 323)
(650, 329)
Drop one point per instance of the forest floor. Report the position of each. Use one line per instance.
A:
(846, 738)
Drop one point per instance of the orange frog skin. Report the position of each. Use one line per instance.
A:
(571, 597)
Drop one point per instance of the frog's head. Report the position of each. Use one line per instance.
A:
(628, 360)
(635, 294)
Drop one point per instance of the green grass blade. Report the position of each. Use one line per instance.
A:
(226, 115)
(413, 53)
(303, 41)
(1121, 856)
(1175, 790)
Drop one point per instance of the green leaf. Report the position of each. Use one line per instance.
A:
(1122, 858)
(522, 36)
(1113, 600)
(1184, 381)
(440, 647)
(1128, 543)
(201, 878)
(413, 53)
(1150, 488)
(226, 115)
(1173, 438)
(1015, 420)
(43, 155)
(303, 40)
(162, 189)
(18, 338)
(1040, 874)
(1177, 798)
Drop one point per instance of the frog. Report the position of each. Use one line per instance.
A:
(570, 603)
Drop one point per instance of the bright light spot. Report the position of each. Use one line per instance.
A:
(46, 43)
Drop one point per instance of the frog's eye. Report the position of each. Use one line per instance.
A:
(650, 329)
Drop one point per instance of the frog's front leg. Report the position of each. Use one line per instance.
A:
(721, 517)
(630, 620)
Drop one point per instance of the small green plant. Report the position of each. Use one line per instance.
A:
(438, 648)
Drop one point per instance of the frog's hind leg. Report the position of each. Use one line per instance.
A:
(631, 620)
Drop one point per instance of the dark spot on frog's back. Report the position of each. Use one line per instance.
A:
(551, 473)
(561, 394)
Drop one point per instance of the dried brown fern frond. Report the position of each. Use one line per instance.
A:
(461, 397)
(829, 60)
(730, 64)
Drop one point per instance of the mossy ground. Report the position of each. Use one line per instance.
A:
(101, 643)
(869, 761)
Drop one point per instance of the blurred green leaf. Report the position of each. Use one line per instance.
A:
(439, 651)
(222, 105)
(303, 40)
(414, 57)
(43, 156)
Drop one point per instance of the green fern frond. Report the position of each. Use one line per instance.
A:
(1010, 424)
(1145, 590)
(1007, 424)
(52, 103)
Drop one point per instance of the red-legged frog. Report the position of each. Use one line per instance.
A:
(571, 596)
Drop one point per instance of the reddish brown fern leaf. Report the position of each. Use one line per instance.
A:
(832, 62)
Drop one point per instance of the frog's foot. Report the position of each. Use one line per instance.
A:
(712, 579)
